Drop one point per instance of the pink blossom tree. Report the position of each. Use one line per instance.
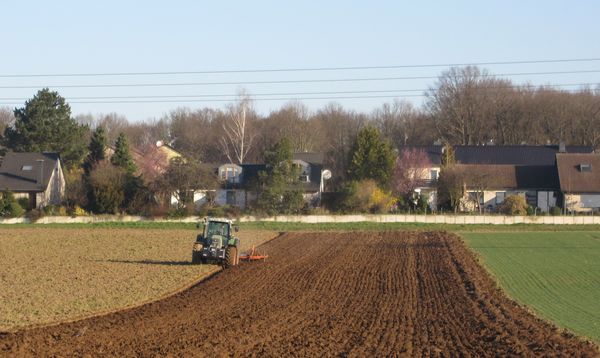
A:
(411, 170)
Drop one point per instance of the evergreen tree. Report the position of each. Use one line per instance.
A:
(45, 124)
(279, 183)
(122, 157)
(96, 149)
(371, 157)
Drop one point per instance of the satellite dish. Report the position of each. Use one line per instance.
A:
(326, 174)
(159, 143)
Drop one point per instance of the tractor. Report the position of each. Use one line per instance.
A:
(216, 243)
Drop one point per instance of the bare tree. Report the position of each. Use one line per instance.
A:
(238, 138)
(7, 118)
(113, 124)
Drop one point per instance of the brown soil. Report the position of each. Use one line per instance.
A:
(326, 294)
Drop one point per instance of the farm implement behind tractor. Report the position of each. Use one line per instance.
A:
(217, 244)
(253, 255)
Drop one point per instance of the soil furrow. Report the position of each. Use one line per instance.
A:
(323, 294)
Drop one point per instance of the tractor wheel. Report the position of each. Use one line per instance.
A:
(196, 257)
(231, 257)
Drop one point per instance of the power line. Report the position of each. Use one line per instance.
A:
(289, 81)
(253, 95)
(234, 99)
(305, 69)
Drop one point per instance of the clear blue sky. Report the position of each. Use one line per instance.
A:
(41, 37)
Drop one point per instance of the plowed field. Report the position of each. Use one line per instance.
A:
(342, 294)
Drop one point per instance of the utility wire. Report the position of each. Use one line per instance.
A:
(233, 99)
(305, 69)
(288, 81)
(297, 93)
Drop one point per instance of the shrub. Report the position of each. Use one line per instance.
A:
(78, 211)
(24, 203)
(555, 211)
(513, 205)
(530, 211)
(9, 207)
(381, 201)
(178, 212)
(55, 210)
(366, 196)
(34, 214)
(107, 191)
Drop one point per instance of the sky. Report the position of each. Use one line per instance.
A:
(84, 37)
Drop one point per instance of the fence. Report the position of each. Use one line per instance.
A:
(315, 219)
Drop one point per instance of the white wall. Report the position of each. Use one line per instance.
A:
(313, 219)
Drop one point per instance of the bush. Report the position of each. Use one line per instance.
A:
(513, 205)
(9, 207)
(55, 210)
(530, 211)
(78, 211)
(365, 196)
(24, 203)
(34, 214)
(555, 211)
(107, 189)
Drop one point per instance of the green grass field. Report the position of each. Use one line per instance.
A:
(557, 274)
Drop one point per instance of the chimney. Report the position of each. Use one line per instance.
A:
(41, 161)
(561, 147)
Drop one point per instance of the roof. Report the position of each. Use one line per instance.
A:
(250, 176)
(502, 154)
(22, 171)
(572, 179)
(510, 176)
(310, 158)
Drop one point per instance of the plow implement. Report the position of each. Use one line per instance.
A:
(253, 255)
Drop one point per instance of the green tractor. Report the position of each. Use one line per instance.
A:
(216, 243)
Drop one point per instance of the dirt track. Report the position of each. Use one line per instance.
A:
(362, 294)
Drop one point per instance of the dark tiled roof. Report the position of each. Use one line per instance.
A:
(310, 158)
(572, 179)
(502, 154)
(488, 176)
(14, 178)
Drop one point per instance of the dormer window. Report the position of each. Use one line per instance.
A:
(230, 173)
(27, 168)
(585, 168)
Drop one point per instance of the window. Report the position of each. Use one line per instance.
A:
(304, 178)
(500, 197)
(27, 167)
(223, 174)
(585, 167)
(433, 174)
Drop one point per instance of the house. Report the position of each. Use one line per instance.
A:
(152, 160)
(493, 172)
(237, 181)
(36, 176)
(579, 176)
(487, 185)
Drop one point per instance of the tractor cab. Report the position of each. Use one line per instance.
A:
(216, 243)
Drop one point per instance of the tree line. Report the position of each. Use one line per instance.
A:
(466, 105)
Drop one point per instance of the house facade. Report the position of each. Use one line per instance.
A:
(237, 182)
(491, 173)
(36, 176)
(579, 176)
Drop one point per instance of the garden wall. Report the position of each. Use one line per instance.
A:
(314, 219)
